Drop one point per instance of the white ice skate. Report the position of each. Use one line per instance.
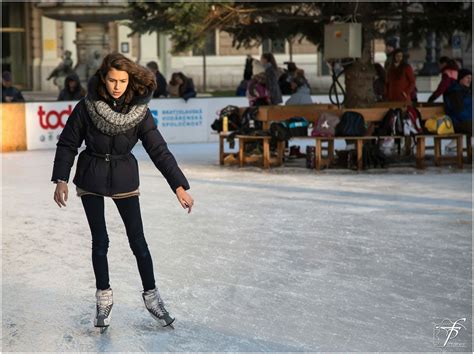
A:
(156, 307)
(104, 308)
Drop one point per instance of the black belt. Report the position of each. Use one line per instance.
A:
(107, 157)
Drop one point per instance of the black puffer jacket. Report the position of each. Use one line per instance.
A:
(120, 174)
(66, 94)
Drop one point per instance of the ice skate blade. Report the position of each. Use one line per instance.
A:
(102, 329)
(170, 325)
(162, 321)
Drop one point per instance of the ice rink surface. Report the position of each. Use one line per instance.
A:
(279, 260)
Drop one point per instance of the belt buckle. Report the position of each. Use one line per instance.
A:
(107, 157)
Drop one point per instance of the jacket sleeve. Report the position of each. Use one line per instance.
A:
(19, 97)
(272, 85)
(442, 87)
(385, 86)
(189, 90)
(453, 103)
(411, 80)
(69, 142)
(157, 149)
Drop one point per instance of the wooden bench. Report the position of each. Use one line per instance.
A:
(222, 153)
(372, 115)
(312, 112)
(268, 114)
(267, 160)
(439, 158)
(318, 159)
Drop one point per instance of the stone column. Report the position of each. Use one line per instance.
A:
(90, 40)
(49, 50)
(113, 36)
(165, 56)
(69, 39)
(430, 68)
(36, 47)
(148, 48)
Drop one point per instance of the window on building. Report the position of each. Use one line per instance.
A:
(209, 45)
(14, 42)
(275, 46)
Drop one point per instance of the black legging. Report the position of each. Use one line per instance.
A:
(129, 209)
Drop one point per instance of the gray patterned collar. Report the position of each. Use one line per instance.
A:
(110, 122)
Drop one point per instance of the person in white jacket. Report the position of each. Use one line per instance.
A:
(301, 90)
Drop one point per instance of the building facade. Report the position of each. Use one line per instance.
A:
(33, 45)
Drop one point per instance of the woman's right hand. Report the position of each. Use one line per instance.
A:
(60, 194)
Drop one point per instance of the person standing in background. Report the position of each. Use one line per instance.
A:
(9, 92)
(400, 82)
(449, 75)
(161, 85)
(272, 74)
(257, 92)
(72, 91)
(390, 46)
(287, 77)
(458, 102)
(242, 88)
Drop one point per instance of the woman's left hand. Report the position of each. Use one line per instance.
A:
(184, 199)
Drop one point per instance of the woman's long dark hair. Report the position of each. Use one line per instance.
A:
(400, 69)
(176, 75)
(141, 81)
(271, 59)
(184, 86)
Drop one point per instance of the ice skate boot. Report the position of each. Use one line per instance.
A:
(156, 307)
(103, 308)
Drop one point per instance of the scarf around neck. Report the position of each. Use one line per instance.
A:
(111, 122)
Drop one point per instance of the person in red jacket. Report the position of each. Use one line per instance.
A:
(449, 75)
(400, 82)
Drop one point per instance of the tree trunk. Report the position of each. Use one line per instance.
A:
(359, 76)
(290, 46)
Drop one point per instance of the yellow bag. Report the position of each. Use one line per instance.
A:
(440, 125)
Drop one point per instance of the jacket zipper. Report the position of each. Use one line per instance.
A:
(109, 169)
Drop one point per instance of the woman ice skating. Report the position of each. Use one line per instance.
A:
(111, 119)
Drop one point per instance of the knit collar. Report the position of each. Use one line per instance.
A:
(111, 122)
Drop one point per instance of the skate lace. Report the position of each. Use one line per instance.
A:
(104, 305)
(158, 307)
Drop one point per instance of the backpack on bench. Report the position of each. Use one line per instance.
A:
(412, 122)
(233, 116)
(351, 124)
(391, 124)
(326, 125)
(298, 126)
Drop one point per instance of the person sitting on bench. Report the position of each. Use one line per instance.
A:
(458, 102)
(301, 90)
